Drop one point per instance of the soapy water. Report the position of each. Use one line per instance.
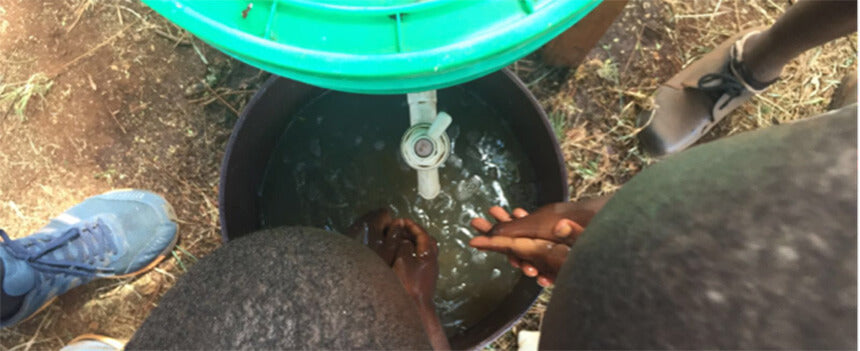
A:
(339, 158)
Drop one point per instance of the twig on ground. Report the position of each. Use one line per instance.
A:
(711, 19)
(224, 102)
(163, 272)
(772, 104)
(32, 340)
(175, 39)
(633, 54)
(762, 11)
(62, 69)
(12, 62)
(701, 15)
(737, 18)
(79, 13)
(121, 127)
(206, 100)
(118, 14)
(199, 53)
(777, 7)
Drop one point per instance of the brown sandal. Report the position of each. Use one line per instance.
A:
(697, 98)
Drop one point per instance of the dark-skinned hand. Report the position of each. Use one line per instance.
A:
(404, 246)
(412, 253)
(416, 261)
(372, 231)
(417, 267)
(536, 243)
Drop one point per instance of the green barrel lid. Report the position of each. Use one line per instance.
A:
(376, 46)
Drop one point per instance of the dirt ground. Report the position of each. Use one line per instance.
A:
(121, 98)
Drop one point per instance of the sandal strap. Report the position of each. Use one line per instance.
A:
(741, 71)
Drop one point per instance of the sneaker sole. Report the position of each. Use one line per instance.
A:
(116, 343)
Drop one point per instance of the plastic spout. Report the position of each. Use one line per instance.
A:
(428, 183)
(425, 145)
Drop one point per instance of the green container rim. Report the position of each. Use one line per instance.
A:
(386, 73)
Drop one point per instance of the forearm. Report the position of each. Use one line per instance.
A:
(582, 211)
(433, 327)
(597, 203)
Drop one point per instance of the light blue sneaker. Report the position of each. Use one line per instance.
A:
(112, 235)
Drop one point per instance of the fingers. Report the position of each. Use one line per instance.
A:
(538, 226)
(484, 226)
(529, 270)
(388, 249)
(531, 226)
(492, 243)
(382, 217)
(424, 243)
(500, 214)
(514, 261)
(370, 227)
(403, 259)
(536, 255)
(481, 225)
(544, 281)
(565, 228)
(523, 248)
(519, 213)
(405, 250)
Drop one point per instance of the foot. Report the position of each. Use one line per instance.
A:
(697, 98)
(113, 235)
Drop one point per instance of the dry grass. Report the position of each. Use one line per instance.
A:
(15, 96)
(116, 116)
(167, 131)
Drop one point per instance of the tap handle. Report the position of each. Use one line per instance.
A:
(442, 121)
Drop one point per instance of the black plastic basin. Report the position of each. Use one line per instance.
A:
(266, 116)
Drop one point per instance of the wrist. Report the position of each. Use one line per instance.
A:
(582, 211)
(425, 305)
(433, 327)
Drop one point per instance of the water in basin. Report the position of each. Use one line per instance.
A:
(339, 158)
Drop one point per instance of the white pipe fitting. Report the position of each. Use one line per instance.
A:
(425, 146)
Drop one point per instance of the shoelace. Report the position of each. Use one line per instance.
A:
(37, 259)
(728, 85)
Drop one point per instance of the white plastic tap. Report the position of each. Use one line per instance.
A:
(425, 145)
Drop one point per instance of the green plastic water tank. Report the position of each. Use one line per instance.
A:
(376, 46)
